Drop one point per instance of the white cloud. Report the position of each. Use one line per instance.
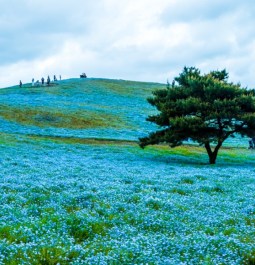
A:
(143, 40)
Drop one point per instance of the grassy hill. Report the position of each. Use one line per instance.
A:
(77, 189)
(87, 108)
(82, 108)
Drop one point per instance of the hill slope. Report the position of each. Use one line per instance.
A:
(87, 108)
(82, 108)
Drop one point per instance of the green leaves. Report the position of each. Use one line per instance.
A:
(205, 108)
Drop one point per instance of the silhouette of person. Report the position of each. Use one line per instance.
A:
(42, 81)
(48, 81)
(252, 143)
(20, 83)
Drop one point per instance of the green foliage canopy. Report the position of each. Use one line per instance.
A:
(204, 108)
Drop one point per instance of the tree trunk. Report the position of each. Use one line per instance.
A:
(212, 158)
(212, 154)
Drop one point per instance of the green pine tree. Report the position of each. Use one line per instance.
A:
(206, 109)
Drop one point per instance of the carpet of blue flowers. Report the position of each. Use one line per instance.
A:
(90, 195)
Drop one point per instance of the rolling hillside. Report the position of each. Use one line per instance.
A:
(85, 108)
(77, 189)
(82, 108)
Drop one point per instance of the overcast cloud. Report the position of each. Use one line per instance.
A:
(144, 40)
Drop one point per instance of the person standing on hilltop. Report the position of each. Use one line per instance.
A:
(33, 81)
(252, 143)
(55, 78)
(48, 81)
(42, 81)
(20, 83)
(60, 77)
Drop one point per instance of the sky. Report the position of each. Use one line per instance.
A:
(141, 40)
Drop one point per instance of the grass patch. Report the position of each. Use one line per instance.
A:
(199, 177)
(59, 119)
(8, 139)
(77, 140)
(250, 221)
(186, 151)
(43, 256)
(179, 191)
(187, 181)
(82, 229)
(154, 204)
(249, 259)
(134, 199)
(215, 189)
(127, 88)
(13, 234)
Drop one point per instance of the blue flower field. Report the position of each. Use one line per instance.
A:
(77, 189)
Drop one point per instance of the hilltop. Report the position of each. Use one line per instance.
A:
(87, 108)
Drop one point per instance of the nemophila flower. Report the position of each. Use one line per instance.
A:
(103, 204)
